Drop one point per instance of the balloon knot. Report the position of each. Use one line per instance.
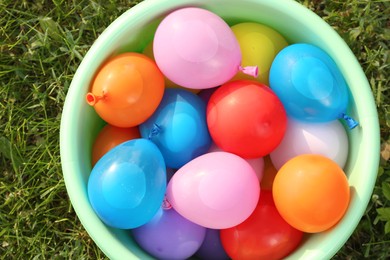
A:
(156, 129)
(250, 70)
(351, 123)
(165, 204)
(92, 99)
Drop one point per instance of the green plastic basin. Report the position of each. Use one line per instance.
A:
(133, 30)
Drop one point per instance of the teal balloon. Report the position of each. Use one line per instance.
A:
(309, 83)
(127, 185)
(178, 127)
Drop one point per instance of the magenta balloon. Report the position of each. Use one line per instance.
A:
(215, 190)
(169, 236)
(256, 163)
(195, 48)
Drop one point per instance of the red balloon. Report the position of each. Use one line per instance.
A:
(246, 118)
(264, 235)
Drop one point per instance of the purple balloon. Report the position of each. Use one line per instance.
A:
(212, 247)
(205, 94)
(169, 236)
(170, 173)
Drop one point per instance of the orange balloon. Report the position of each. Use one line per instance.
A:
(268, 175)
(109, 137)
(148, 51)
(311, 192)
(127, 90)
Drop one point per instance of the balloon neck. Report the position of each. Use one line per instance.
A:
(156, 129)
(250, 70)
(351, 123)
(165, 204)
(92, 99)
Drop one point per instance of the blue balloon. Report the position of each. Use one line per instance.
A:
(309, 84)
(178, 127)
(169, 236)
(127, 185)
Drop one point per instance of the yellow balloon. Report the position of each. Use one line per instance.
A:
(148, 51)
(259, 45)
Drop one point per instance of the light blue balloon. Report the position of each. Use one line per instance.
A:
(309, 84)
(127, 185)
(178, 127)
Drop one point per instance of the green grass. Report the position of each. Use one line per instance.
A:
(41, 45)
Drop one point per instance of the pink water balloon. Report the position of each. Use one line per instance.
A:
(196, 48)
(215, 190)
(328, 139)
(256, 163)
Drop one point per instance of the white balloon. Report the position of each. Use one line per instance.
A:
(328, 139)
(256, 163)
